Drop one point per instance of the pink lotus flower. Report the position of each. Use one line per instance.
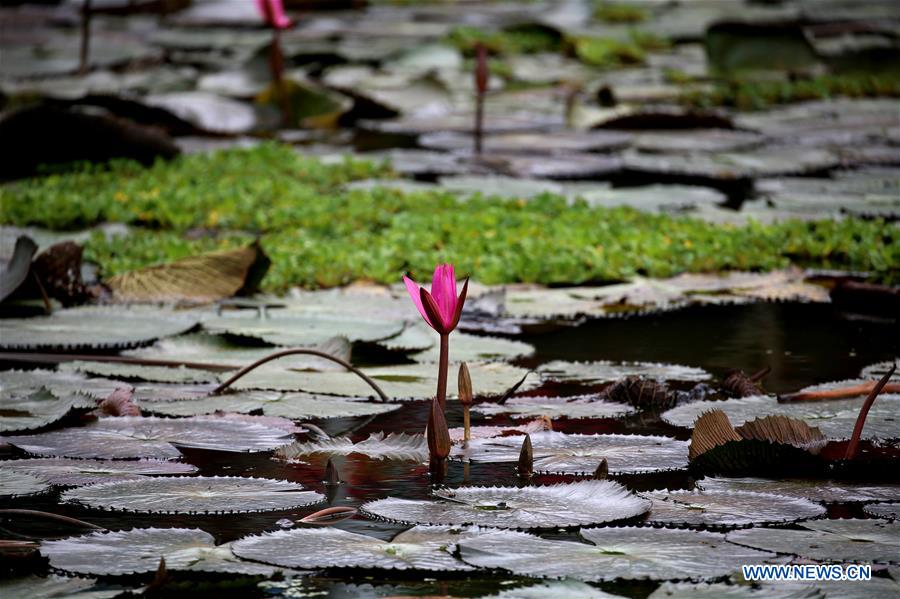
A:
(272, 12)
(441, 308)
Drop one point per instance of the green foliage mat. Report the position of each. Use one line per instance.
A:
(319, 235)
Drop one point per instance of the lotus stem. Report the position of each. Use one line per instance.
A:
(443, 365)
(50, 516)
(481, 84)
(307, 352)
(853, 446)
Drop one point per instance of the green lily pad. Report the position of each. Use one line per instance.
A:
(22, 412)
(554, 506)
(565, 453)
(93, 328)
(727, 508)
(419, 548)
(605, 372)
(194, 495)
(139, 550)
(613, 553)
(554, 407)
(863, 541)
(140, 372)
(148, 437)
(70, 472)
(394, 446)
(474, 348)
(16, 484)
(836, 418)
(825, 491)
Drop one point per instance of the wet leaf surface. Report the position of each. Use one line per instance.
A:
(75, 472)
(554, 407)
(394, 446)
(15, 484)
(727, 508)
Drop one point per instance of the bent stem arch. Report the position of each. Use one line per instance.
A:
(293, 352)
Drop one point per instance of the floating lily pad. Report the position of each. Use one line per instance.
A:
(294, 329)
(868, 192)
(605, 372)
(704, 590)
(702, 140)
(850, 540)
(655, 198)
(140, 372)
(137, 551)
(554, 407)
(835, 418)
(554, 506)
(531, 143)
(614, 553)
(891, 511)
(565, 453)
(610, 300)
(762, 162)
(474, 348)
(555, 589)
(489, 432)
(414, 338)
(727, 508)
(294, 406)
(92, 328)
(15, 484)
(205, 111)
(148, 437)
(16, 384)
(39, 408)
(500, 186)
(54, 587)
(395, 446)
(557, 166)
(825, 491)
(194, 495)
(420, 548)
(407, 381)
(69, 472)
(878, 370)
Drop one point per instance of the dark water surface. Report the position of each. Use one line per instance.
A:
(803, 344)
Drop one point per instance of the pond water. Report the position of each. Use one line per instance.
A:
(803, 344)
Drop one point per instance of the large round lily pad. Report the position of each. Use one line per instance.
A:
(15, 484)
(420, 548)
(139, 550)
(727, 508)
(474, 348)
(301, 329)
(70, 472)
(92, 328)
(148, 437)
(395, 446)
(554, 506)
(891, 511)
(717, 590)
(554, 407)
(825, 491)
(22, 412)
(862, 541)
(194, 495)
(603, 372)
(556, 452)
(613, 553)
(16, 384)
(54, 587)
(835, 418)
(530, 143)
(406, 381)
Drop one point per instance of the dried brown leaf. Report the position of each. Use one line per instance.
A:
(711, 430)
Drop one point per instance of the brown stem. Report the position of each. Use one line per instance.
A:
(839, 393)
(479, 122)
(758, 375)
(443, 366)
(85, 37)
(467, 425)
(308, 352)
(59, 358)
(853, 446)
(47, 308)
(50, 516)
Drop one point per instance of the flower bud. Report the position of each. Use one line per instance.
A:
(438, 435)
(481, 69)
(525, 467)
(464, 384)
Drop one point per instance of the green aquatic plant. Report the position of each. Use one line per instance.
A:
(523, 39)
(616, 12)
(612, 52)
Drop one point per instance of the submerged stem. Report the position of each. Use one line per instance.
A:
(49, 516)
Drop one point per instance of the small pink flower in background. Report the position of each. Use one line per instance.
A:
(272, 12)
(441, 308)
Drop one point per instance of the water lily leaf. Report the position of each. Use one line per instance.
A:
(206, 112)
(570, 165)
(474, 348)
(93, 328)
(834, 418)
(700, 140)
(614, 553)
(69, 472)
(891, 511)
(414, 338)
(500, 186)
(565, 453)
(555, 589)
(488, 432)
(24, 412)
(301, 329)
(294, 406)
(530, 143)
(554, 506)
(395, 446)
(877, 370)
(308, 105)
(407, 381)
(655, 198)
(149, 437)
(761, 162)
(420, 548)
(54, 587)
(200, 279)
(554, 407)
(194, 495)
(727, 508)
(16, 270)
(139, 550)
(604, 372)
(850, 540)
(140, 372)
(825, 491)
(703, 590)
(15, 484)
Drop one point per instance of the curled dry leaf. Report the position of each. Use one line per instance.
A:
(329, 516)
(196, 279)
(119, 404)
(781, 429)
